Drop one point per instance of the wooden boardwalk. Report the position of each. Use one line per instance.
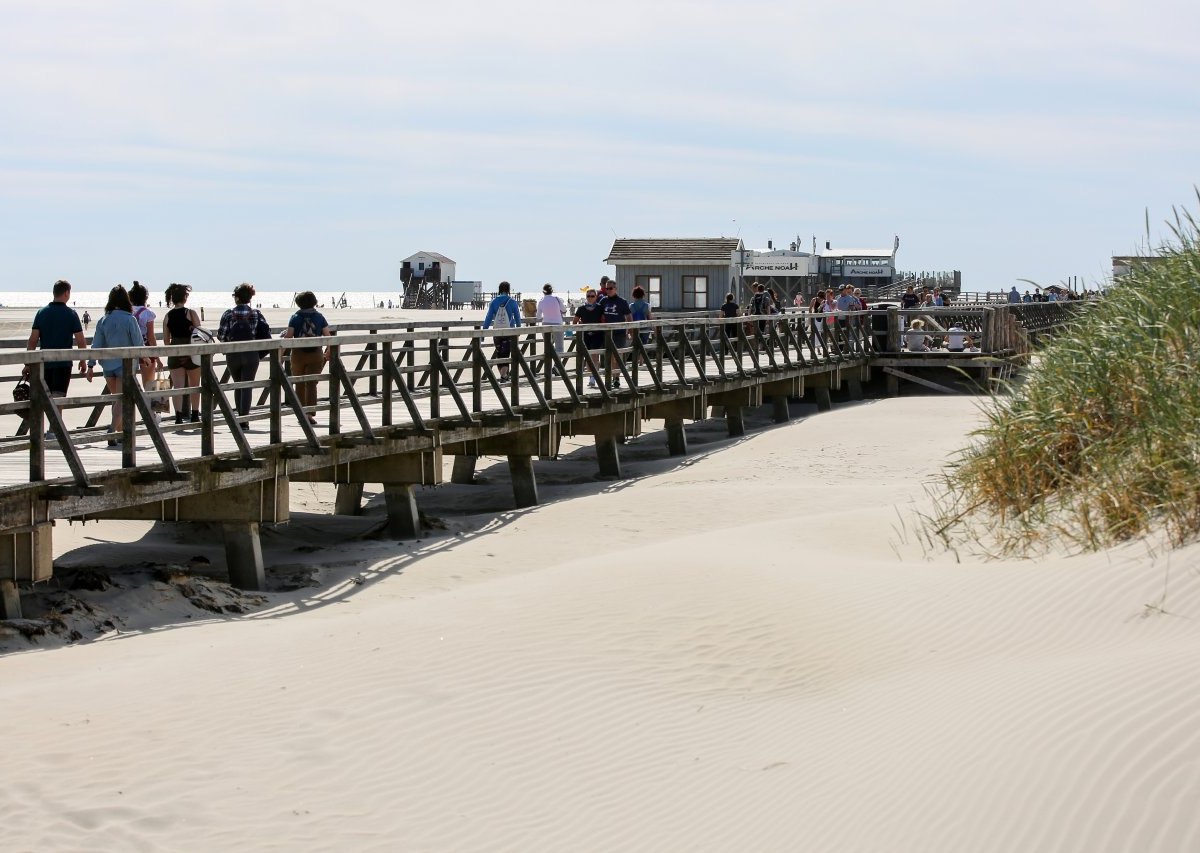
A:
(395, 400)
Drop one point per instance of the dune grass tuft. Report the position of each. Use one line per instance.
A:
(1101, 441)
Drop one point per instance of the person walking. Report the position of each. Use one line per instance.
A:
(502, 314)
(117, 328)
(307, 322)
(179, 324)
(641, 310)
(550, 312)
(616, 310)
(243, 323)
(57, 326)
(591, 313)
(1014, 296)
(149, 366)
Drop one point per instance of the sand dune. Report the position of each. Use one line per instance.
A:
(740, 652)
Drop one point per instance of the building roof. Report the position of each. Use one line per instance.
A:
(696, 250)
(856, 253)
(436, 256)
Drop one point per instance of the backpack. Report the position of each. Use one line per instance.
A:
(201, 336)
(760, 303)
(501, 320)
(308, 326)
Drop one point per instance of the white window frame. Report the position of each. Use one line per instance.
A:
(695, 292)
(652, 284)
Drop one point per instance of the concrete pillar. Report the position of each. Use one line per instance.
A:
(10, 600)
(27, 556)
(464, 470)
(243, 555)
(779, 409)
(608, 457)
(403, 518)
(824, 403)
(735, 421)
(524, 483)
(854, 388)
(893, 385)
(349, 499)
(676, 438)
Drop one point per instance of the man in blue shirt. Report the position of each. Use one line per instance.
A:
(502, 314)
(57, 326)
(616, 310)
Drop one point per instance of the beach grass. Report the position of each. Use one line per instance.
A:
(1100, 441)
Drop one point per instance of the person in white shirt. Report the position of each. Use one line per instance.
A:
(550, 313)
(916, 338)
(956, 338)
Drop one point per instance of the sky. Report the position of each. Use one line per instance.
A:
(301, 145)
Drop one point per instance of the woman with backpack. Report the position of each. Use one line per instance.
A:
(243, 322)
(640, 310)
(308, 322)
(178, 325)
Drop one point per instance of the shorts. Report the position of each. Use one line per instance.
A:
(503, 347)
(181, 362)
(58, 378)
(593, 340)
(115, 373)
(620, 338)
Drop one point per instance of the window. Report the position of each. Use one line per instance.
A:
(695, 291)
(652, 284)
(421, 265)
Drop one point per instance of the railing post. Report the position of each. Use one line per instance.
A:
(893, 329)
(410, 348)
(38, 401)
(276, 420)
(987, 338)
(548, 365)
(129, 424)
(476, 373)
(435, 379)
(387, 384)
(373, 363)
(514, 371)
(335, 390)
(207, 446)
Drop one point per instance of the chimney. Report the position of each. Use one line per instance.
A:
(770, 245)
(827, 245)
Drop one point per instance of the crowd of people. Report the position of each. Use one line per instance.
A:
(127, 322)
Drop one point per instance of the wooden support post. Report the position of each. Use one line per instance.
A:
(524, 483)
(403, 518)
(676, 437)
(243, 555)
(824, 403)
(893, 385)
(608, 456)
(735, 421)
(10, 600)
(854, 387)
(349, 499)
(779, 409)
(464, 470)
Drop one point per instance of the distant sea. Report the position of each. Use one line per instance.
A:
(211, 299)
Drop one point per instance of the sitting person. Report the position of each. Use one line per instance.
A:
(916, 338)
(956, 338)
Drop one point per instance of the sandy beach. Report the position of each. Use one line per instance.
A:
(747, 649)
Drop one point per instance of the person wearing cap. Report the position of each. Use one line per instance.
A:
(550, 313)
(591, 313)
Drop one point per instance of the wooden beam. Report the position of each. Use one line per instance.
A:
(928, 383)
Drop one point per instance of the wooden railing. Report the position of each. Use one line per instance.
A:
(393, 376)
